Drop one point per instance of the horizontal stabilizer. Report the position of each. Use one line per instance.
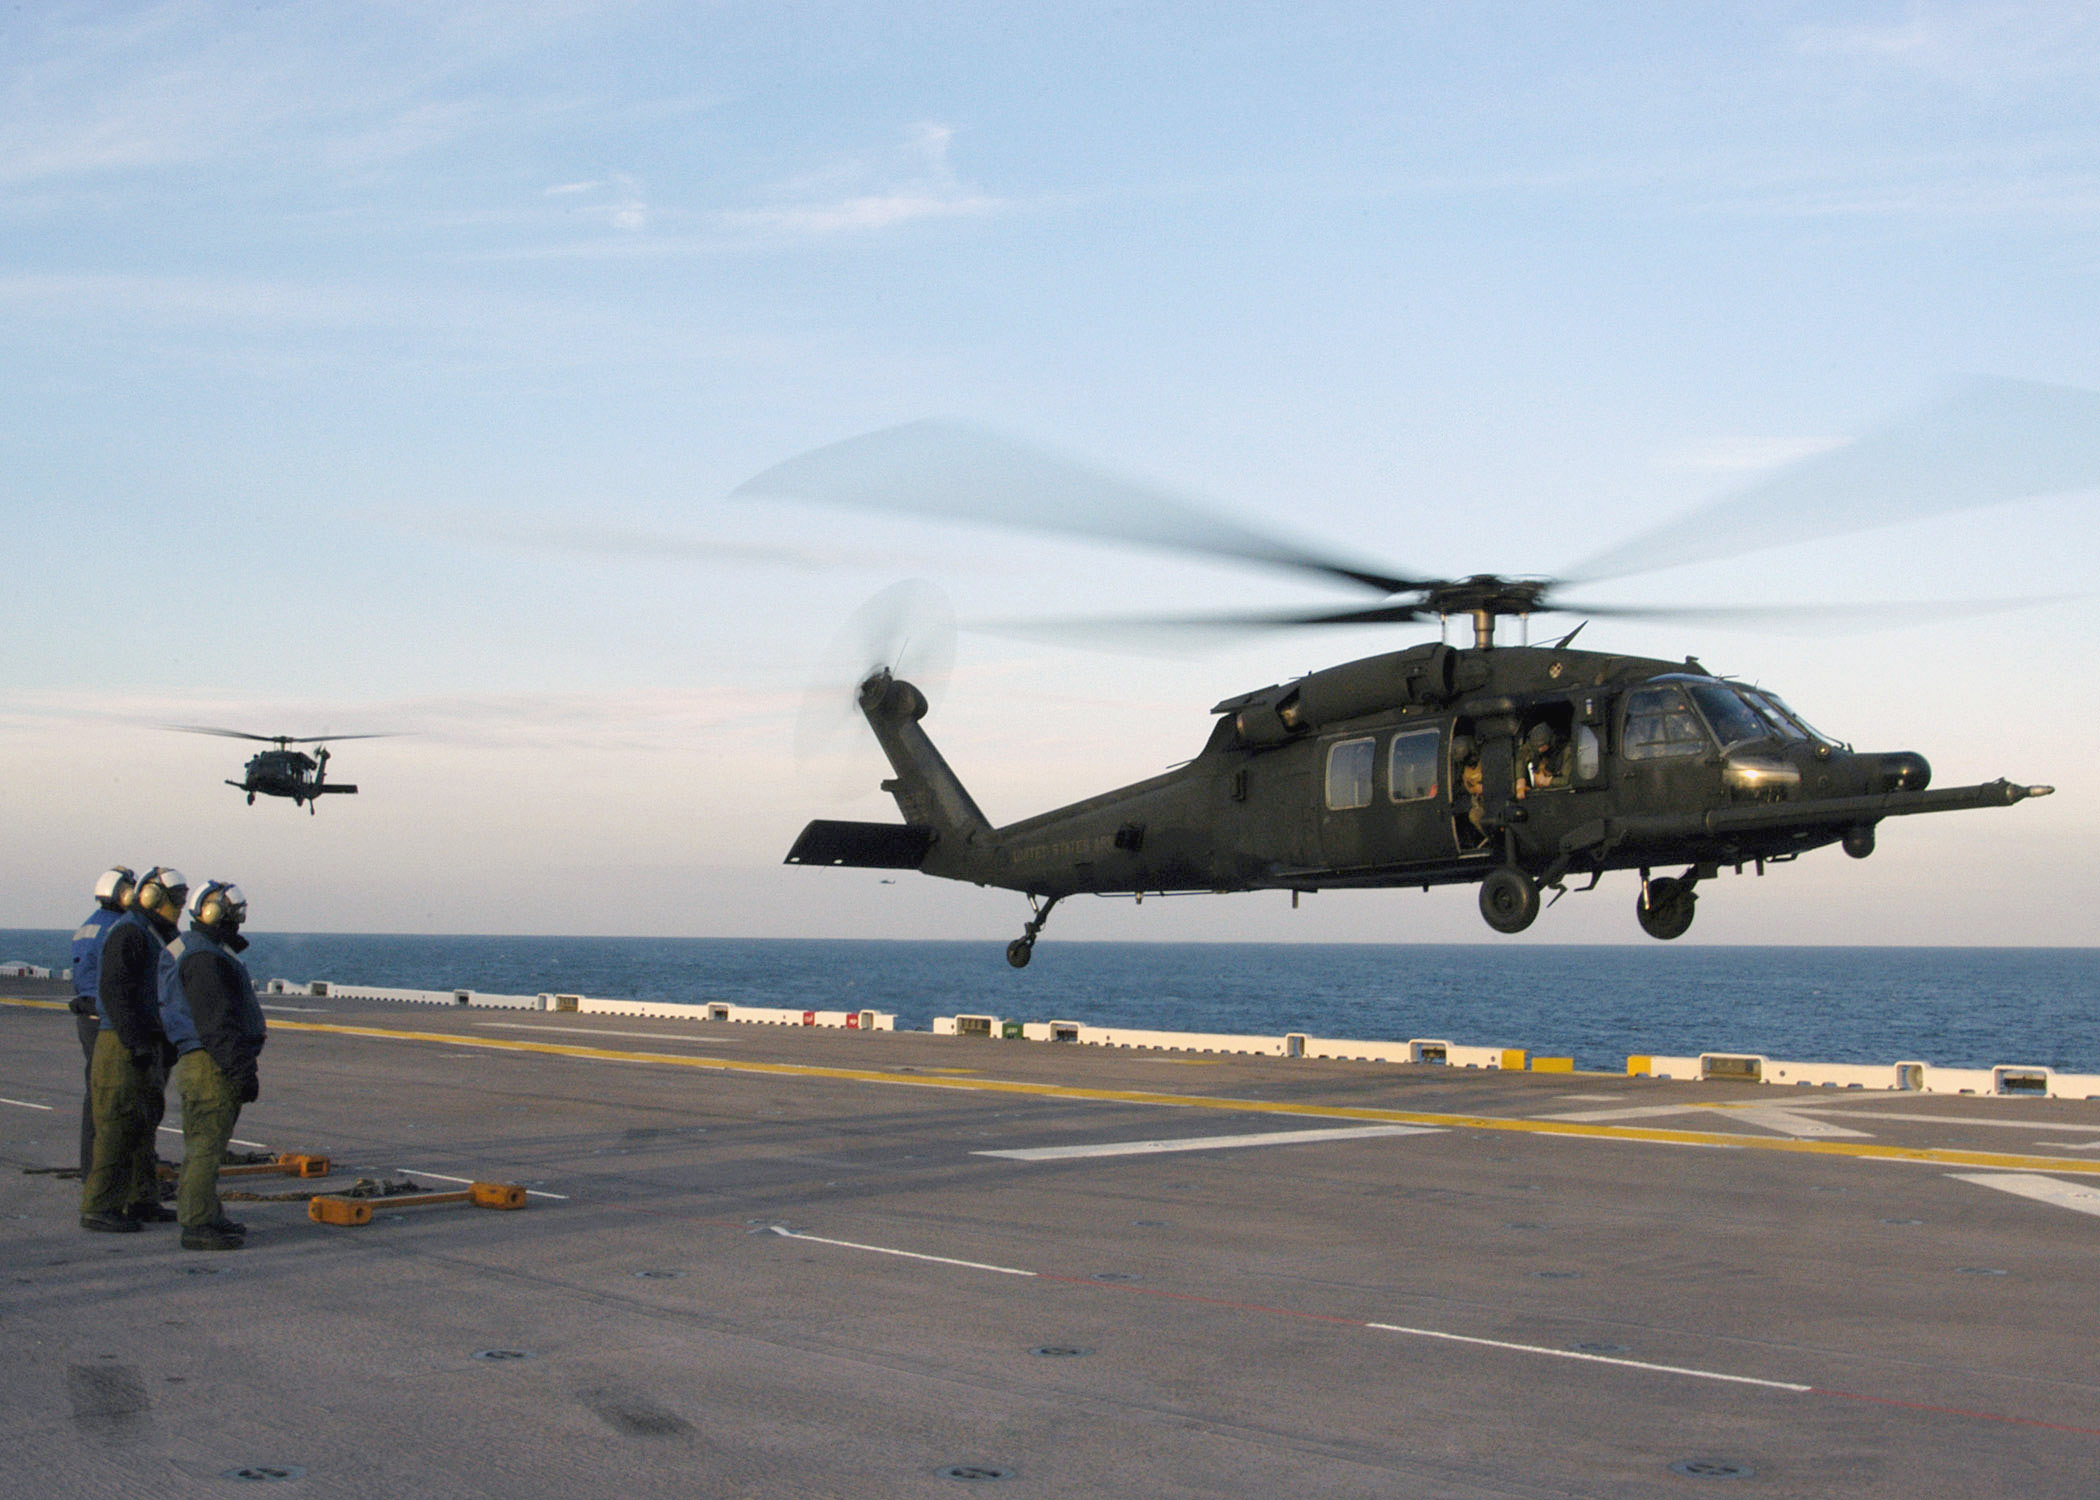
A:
(863, 846)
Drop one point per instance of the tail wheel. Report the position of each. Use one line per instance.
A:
(1509, 899)
(1665, 907)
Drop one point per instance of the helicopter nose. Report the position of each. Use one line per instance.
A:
(1901, 771)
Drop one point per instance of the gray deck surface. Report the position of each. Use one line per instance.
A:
(1921, 1334)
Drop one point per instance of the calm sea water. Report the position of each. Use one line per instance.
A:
(1958, 1007)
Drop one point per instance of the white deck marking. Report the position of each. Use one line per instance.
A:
(24, 1104)
(300, 1010)
(1601, 1359)
(2074, 1196)
(1785, 1121)
(1623, 1112)
(1207, 1143)
(648, 1036)
(1420, 1333)
(1776, 1117)
(231, 1140)
(944, 1260)
(1925, 1119)
(448, 1177)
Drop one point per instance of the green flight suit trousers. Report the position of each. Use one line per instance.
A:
(129, 1097)
(210, 1109)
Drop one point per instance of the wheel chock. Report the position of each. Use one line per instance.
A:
(288, 1164)
(332, 1208)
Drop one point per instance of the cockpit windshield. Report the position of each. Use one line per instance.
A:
(1734, 721)
(1789, 723)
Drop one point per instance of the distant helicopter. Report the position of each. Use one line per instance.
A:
(1512, 766)
(285, 772)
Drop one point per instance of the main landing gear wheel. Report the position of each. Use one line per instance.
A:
(1509, 899)
(1022, 948)
(1665, 907)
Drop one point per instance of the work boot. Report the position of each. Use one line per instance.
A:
(109, 1223)
(227, 1226)
(211, 1237)
(150, 1213)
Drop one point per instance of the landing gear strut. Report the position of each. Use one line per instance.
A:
(1666, 905)
(1022, 948)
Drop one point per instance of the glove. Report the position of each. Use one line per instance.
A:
(250, 1087)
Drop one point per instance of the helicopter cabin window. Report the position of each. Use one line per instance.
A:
(1411, 770)
(1349, 765)
(1660, 724)
(1589, 754)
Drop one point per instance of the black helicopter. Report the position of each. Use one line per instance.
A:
(285, 772)
(1513, 766)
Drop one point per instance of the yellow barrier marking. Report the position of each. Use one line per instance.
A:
(1859, 1149)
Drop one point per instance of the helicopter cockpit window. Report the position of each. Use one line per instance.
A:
(1791, 720)
(1660, 724)
(1734, 721)
(1349, 764)
(1411, 773)
(1780, 720)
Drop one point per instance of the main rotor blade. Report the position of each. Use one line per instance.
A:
(958, 472)
(281, 739)
(1987, 442)
(225, 734)
(1128, 630)
(1886, 615)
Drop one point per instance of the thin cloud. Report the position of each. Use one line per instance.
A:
(869, 193)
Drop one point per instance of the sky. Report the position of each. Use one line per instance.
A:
(389, 367)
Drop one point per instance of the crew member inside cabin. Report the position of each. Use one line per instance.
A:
(129, 1079)
(214, 1022)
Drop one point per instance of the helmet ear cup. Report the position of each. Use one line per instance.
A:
(150, 897)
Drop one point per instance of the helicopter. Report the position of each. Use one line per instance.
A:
(285, 772)
(1516, 767)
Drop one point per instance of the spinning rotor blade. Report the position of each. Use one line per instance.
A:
(957, 472)
(281, 739)
(224, 734)
(1136, 630)
(1987, 442)
(909, 630)
(1812, 617)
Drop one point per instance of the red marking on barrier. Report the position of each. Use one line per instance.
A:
(809, 1018)
(853, 1020)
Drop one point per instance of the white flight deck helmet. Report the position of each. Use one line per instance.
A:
(161, 893)
(219, 907)
(114, 889)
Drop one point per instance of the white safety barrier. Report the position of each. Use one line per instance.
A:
(663, 1010)
(1905, 1077)
(1292, 1044)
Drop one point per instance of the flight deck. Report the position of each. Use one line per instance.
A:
(820, 1261)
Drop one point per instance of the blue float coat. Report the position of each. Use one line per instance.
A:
(87, 953)
(208, 1003)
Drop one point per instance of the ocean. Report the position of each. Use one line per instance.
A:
(1954, 1007)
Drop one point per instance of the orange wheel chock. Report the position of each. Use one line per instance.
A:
(332, 1208)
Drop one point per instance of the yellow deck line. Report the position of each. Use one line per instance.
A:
(1938, 1156)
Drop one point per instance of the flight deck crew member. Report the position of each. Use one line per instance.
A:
(129, 1080)
(112, 897)
(215, 1023)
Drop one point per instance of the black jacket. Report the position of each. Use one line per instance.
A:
(128, 988)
